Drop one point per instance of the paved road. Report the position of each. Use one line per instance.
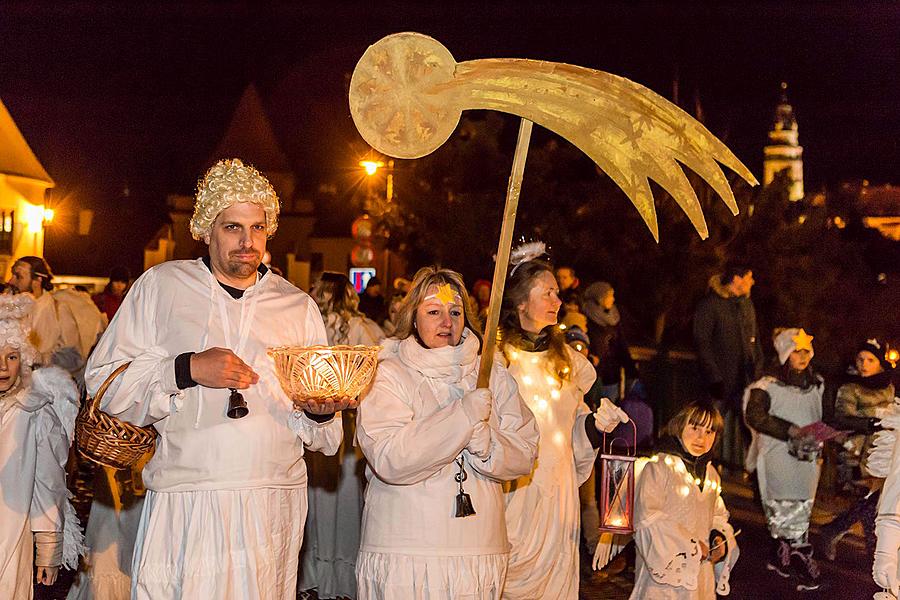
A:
(848, 578)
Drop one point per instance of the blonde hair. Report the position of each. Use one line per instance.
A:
(334, 293)
(227, 182)
(425, 278)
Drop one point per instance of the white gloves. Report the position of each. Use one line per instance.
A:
(884, 570)
(480, 444)
(477, 405)
(608, 547)
(608, 415)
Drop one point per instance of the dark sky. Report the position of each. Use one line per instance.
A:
(137, 95)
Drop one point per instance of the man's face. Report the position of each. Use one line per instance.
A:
(21, 278)
(741, 286)
(566, 278)
(237, 242)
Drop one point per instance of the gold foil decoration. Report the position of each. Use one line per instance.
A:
(407, 95)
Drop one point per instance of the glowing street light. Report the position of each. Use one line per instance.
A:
(371, 166)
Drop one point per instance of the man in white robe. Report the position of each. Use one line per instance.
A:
(53, 325)
(226, 501)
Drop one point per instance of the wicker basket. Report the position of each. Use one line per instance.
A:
(318, 372)
(107, 440)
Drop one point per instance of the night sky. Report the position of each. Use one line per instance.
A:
(124, 103)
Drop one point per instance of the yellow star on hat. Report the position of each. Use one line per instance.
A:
(802, 340)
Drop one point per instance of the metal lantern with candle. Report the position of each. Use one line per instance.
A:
(319, 372)
(617, 479)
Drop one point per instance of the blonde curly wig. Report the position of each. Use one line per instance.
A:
(227, 182)
(15, 330)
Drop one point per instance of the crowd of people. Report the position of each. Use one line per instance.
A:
(427, 486)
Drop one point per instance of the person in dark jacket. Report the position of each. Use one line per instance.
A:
(608, 342)
(729, 352)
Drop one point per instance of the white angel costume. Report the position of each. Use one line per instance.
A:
(36, 429)
(226, 503)
(884, 461)
(673, 512)
(542, 508)
(336, 484)
(413, 429)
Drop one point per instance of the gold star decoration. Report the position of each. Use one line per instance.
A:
(803, 341)
(446, 294)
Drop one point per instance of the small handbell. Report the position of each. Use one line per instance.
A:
(464, 506)
(237, 406)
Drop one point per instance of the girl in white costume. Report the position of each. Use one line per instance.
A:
(542, 508)
(38, 526)
(685, 545)
(336, 482)
(421, 426)
(776, 408)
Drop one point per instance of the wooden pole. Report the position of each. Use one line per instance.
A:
(502, 264)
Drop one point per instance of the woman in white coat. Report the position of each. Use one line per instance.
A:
(336, 483)
(542, 510)
(438, 449)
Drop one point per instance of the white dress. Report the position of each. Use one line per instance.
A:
(542, 508)
(672, 514)
(412, 428)
(105, 572)
(36, 429)
(226, 503)
(336, 484)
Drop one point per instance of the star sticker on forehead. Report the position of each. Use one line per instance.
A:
(446, 294)
(803, 341)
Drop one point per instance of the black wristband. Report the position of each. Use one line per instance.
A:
(183, 377)
(319, 418)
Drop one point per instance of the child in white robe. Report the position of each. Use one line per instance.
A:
(38, 526)
(685, 545)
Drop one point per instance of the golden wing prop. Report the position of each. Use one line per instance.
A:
(407, 95)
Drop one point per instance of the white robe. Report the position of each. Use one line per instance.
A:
(542, 508)
(412, 428)
(55, 330)
(672, 514)
(36, 429)
(336, 484)
(226, 502)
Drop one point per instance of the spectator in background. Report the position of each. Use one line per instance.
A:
(53, 325)
(571, 314)
(608, 342)
(371, 301)
(729, 352)
(109, 300)
(566, 278)
(390, 324)
(481, 294)
(401, 285)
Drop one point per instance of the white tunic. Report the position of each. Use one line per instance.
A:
(542, 508)
(412, 428)
(672, 514)
(224, 513)
(782, 476)
(54, 328)
(36, 428)
(336, 485)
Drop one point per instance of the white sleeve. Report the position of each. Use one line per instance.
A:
(514, 432)
(146, 392)
(48, 503)
(320, 437)
(401, 448)
(583, 377)
(670, 553)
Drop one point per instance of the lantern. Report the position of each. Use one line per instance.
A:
(617, 491)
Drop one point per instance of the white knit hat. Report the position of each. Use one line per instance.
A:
(792, 339)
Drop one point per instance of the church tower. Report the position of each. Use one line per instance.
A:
(783, 152)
